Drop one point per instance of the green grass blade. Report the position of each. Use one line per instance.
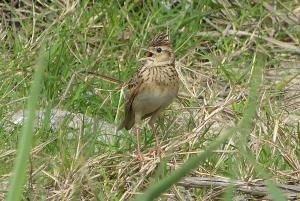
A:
(19, 173)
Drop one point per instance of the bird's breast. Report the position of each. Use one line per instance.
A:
(159, 86)
(153, 96)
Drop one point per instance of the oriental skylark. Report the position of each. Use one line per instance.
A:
(152, 88)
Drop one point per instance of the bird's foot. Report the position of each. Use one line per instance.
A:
(139, 156)
(157, 151)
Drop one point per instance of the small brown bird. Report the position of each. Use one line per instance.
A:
(152, 88)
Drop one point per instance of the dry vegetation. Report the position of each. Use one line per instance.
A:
(82, 158)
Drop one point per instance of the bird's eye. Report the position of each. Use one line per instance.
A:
(158, 50)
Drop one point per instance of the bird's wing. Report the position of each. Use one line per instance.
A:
(133, 87)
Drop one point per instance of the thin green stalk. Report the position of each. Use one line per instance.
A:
(18, 177)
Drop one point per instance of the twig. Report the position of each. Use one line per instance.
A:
(257, 189)
(103, 77)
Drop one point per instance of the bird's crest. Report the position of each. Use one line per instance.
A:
(160, 39)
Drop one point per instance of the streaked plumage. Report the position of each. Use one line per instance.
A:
(154, 86)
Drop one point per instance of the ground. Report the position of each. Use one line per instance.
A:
(76, 153)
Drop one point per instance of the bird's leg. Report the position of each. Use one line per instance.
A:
(157, 145)
(153, 130)
(139, 154)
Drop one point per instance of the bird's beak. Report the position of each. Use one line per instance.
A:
(148, 55)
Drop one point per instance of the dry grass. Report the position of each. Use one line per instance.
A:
(215, 46)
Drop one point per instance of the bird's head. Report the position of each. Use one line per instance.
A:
(160, 50)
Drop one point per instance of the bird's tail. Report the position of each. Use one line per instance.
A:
(127, 123)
